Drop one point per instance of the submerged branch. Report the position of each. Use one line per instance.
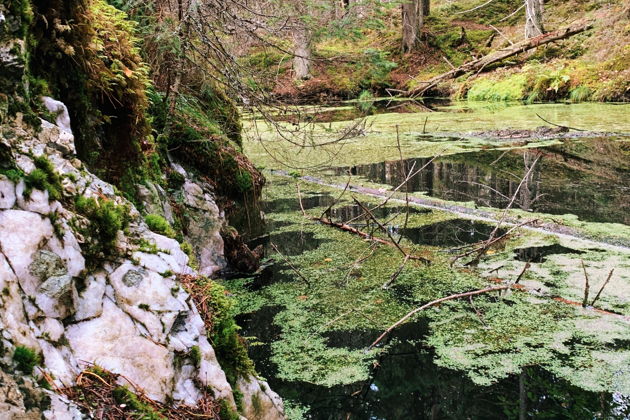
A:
(433, 303)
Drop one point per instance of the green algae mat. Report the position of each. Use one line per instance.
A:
(326, 294)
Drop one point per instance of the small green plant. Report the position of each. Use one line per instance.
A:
(123, 395)
(195, 355)
(26, 359)
(14, 175)
(159, 225)
(244, 181)
(187, 248)
(226, 412)
(365, 102)
(106, 219)
(580, 94)
(44, 178)
(144, 306)
(229, 346)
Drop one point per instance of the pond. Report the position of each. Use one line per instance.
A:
(325, 294)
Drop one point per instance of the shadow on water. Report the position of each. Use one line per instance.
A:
(590, 179)
(407, 384)
(537, 254)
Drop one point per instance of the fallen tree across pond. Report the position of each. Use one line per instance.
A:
(480, 64)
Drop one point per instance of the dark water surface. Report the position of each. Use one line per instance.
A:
(589, 178)
(407, 384)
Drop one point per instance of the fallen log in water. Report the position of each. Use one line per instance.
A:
(496, 56)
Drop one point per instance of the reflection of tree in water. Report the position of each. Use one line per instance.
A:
(560, 182)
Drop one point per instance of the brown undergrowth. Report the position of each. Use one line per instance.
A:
(100, 393)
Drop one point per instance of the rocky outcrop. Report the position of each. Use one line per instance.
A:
(121, 309)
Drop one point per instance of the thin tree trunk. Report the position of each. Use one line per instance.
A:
(412, 21)
(302, 52)
(534, 14)
(426, 7)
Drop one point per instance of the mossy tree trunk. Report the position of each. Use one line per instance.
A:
(534, 14)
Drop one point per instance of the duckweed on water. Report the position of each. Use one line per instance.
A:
(495, 338)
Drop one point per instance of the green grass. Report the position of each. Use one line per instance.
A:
(26, 359)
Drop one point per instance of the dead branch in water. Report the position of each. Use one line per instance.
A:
(350, 229)
(558, 125)
(380, 225)
(433, 303)
(480, 251)
(603, 287)
(275, 248)
(520, 276)
(586, 286)
(396, 274)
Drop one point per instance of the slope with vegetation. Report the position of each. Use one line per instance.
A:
(588, 66)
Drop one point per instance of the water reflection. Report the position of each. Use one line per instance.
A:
(450, 233)
(588, 179)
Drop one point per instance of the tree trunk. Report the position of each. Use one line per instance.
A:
(412, 21)
(426, 7)
(302, 52)
(534, 14)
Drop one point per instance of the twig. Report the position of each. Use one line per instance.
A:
(337, 199)
(520, 276)
(502, 35)
(347, 228)
(513, 13)
(396, 274)
(290, 265)
(432, 303)
(448, 62)
(603, 286)
(479, 315)
(474, 8)
(424, 126)
(297, 184)
(383, 228)
(558, 125)
(586, 287)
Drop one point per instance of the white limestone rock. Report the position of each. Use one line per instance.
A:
(13, 321)
(69, 250)
(57, 107)
(113, 342)
(60, 362)
(204, 226)
(210, 373)
(7, 193)
(21, 233)
(185, 390)
(89, 302)
(37, 201)
(259, 401)
(186, 330)
(62, 409)
(51, 329)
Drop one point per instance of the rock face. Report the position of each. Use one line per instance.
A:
(125, 312)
